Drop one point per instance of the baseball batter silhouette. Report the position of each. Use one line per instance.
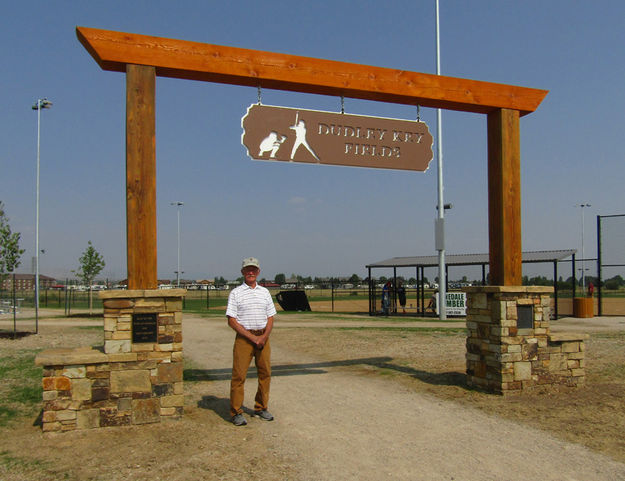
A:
(300, 137)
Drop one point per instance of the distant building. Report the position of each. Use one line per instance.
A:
(26, 282)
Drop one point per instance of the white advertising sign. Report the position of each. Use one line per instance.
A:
(456, 303)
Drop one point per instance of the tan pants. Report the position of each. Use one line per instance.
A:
(242, 354)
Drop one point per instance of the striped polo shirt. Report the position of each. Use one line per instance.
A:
(250, 307)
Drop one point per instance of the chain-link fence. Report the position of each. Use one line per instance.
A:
(611, 264)
(331, 298)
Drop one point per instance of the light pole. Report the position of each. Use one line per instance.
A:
(582, 206)
(38, 106)
(178, 205)
(439, 223)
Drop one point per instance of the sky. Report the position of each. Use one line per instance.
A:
(306, 219)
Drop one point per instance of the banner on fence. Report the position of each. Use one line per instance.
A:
(456, 303)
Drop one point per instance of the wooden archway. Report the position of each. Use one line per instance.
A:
(143, 58)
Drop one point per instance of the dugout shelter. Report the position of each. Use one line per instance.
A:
(420, 263)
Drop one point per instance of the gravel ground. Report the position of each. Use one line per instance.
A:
(366, 404)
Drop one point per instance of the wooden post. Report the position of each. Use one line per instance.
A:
(141, 177)
(504, 198)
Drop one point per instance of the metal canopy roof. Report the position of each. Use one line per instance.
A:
(470, 259)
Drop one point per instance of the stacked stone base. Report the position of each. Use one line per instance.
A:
(124, 382)
(99, 390)
(503, 358)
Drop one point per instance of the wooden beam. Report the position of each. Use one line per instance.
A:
(141, 177)
(214, 63)
(504, 198)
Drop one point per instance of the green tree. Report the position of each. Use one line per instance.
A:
(279, 279)
(354, 279)
(91, 264)
(10, 251)
(540, 281)
(595, 280)
(614, 283)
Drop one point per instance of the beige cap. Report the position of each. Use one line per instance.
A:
(250, 261)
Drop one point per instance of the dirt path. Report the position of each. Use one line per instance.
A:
(589, 325)
(336, 422)
(337, 417)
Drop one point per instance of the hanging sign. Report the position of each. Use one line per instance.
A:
(315, 137)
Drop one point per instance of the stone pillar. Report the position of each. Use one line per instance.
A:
(135, 378)
(509, 344)
(125, 333)
(121, 307)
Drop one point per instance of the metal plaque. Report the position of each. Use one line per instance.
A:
(144, 327)
(525, 317)
(315, 137)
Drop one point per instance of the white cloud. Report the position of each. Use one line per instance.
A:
(297, 200)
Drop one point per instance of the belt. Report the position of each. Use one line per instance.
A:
(256, 332)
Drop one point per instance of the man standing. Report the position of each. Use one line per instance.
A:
(401, 294)
(250, 313)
